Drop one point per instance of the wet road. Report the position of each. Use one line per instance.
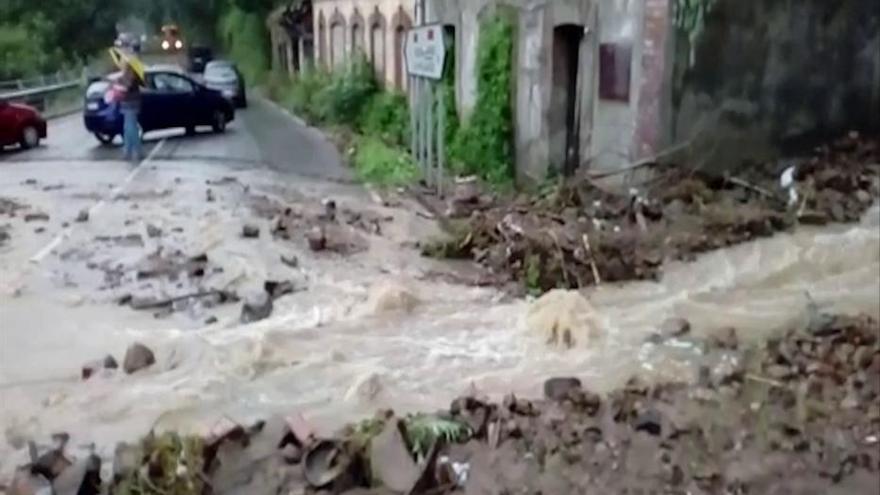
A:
(262, 135)
(339, 347)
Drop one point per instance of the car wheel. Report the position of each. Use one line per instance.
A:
(190, 131)
(105, 139)
(218, 122)
(30, 137)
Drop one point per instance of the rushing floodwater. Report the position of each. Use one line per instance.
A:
(334, 354)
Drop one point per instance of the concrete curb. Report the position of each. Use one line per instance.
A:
(284, 110)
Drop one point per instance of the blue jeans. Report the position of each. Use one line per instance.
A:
(131, 134)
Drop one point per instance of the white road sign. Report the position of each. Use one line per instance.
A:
(425, 51)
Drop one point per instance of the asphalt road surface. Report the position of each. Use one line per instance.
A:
(262, 135)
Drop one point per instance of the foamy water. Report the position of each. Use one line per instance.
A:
(333, 354)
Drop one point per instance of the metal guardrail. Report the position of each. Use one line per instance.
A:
(27, 93)
(44, 85)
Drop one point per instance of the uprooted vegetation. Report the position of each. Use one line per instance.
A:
(581, 233)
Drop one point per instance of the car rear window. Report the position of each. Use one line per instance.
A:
(219, 72)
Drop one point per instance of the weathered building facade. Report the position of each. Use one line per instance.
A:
(604, 83)
(375, 29)
(589, 77)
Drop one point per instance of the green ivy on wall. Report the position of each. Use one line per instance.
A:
(484, 145)
(690, 18)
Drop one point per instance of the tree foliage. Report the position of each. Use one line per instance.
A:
(38, 36)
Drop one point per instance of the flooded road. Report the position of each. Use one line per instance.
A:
(352, 338)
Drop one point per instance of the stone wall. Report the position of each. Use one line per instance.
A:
(756, 79)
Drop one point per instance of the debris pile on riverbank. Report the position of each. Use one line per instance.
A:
(583, 234)
(799, 414)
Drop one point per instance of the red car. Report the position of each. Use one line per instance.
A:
(20, 124)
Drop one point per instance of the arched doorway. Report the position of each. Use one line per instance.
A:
(377, 45)
(357, 34)
(322, 41)
(337, 40)
(402, 23)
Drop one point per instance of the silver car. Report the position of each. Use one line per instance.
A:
(225, 77)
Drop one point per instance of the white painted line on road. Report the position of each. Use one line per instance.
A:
(64, 234)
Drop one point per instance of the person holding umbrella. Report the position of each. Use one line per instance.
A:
(128, 94)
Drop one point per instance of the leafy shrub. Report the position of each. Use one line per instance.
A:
(348, 93)
(386, 116)
(484, 145)
(302, 94)
(377, 162)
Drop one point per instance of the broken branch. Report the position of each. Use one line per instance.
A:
(589, 252)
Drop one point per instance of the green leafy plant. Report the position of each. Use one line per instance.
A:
(349, 92)
(533, 274)
(172, 465)
(386, 115)
(484, 145)
(447, 87)
(379, 163)
(423, 430)
(246, 38)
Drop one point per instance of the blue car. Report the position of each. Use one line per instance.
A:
(169, 100)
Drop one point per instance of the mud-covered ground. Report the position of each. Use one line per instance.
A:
(579, 233)
(799, 414)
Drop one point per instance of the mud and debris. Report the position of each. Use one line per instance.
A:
(581, 233)
(798, 413)
(10, 207)
(325, 226)
(250, 231)
(36, 217)
(165, 280)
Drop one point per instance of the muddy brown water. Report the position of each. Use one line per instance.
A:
(341, 349)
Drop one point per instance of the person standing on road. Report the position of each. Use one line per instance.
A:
(131, 108)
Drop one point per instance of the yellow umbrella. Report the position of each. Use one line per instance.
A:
(121, 59)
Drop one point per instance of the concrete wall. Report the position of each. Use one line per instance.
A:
(773, 77)
(373, 25)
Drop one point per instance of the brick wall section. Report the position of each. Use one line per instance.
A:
(656, 30)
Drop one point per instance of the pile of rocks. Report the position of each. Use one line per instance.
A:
(799, 414)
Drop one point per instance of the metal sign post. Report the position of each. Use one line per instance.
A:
(425, 54)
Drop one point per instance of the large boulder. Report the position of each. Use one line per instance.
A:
(138, 357)
(257, 306)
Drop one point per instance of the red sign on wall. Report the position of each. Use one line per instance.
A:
(615, 69)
